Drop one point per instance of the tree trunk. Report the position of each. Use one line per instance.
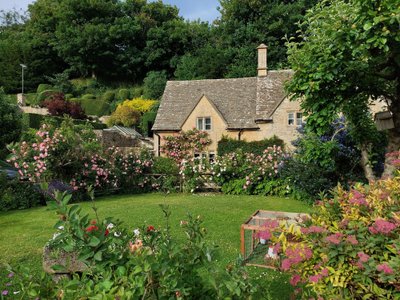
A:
(366, 166)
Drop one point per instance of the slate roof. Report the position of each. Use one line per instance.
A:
(240, 101)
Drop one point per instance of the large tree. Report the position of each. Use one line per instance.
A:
(349, 55)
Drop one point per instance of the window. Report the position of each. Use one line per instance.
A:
(299, 119)
(295, 118)
(210, 156)
(291, 118)
(203, 123)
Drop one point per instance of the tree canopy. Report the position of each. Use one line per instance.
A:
(348, 55)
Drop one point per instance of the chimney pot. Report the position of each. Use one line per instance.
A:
(262, 69)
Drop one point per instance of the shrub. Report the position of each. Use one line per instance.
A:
(10, 123)
(88, 96)
(69, 96)
(31, 98)
(18, 195)
(58, 106)
(43, 87)
(108, 96)
(94, 107)
(41, 97)
(350, 248)
(167, 167)
(147, 121)
(185, 144)
(140, 105)
(246, 173)
(136, 264)
(125, 116)
(154, 84)
(136, 92)
(228, 145)
(123, 94)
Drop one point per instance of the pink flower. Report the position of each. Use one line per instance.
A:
(352, 239)
(295, 280)
(382, 226)
(286, 264)
(363, 257)
(325, 272)
(385, 268)
(315, 278)
(335, 238)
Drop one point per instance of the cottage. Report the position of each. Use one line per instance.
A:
(252, 108)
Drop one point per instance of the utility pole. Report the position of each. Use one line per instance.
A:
(23, 67)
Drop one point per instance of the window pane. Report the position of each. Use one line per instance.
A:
(290, 118)
(200, 123)
(299, 118)
(207, 123)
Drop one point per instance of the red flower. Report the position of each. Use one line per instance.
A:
(106, 232)
(91, 228)
(150, 228)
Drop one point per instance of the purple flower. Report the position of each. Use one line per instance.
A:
(4, 293)
(11, 275)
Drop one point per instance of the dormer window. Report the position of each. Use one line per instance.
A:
(203, 123)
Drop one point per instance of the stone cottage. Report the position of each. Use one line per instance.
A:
(251, 109)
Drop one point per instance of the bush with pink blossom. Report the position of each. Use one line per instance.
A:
(350, 248)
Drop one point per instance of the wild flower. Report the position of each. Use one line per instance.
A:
(382, 226)
(385, 268)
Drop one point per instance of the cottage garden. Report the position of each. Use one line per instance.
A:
(349, 248)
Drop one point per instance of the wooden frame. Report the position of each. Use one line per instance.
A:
(254, 225)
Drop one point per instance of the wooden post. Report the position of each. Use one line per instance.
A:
(242, 246)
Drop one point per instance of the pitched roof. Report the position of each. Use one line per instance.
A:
(240, 100)
(125, 131)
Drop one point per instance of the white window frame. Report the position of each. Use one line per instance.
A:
(295, 118)
(204, 123)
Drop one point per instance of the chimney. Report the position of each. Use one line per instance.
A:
(262, 69)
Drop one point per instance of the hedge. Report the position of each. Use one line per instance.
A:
(228, 145)
(95, 107)
(35, 120)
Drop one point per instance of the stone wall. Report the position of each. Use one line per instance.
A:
(34, 110)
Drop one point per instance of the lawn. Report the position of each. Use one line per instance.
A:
(23, 233)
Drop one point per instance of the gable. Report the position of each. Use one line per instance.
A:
(240, 101)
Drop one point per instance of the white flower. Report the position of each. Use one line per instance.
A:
(110, 226)
(136, 232)
(117, 234)
(60, 227)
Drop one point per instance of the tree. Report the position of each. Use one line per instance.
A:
(154, 84)
(10, 123)
(124, 115)
(348, 55)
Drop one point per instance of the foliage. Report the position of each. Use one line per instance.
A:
(108, 96)
(93, 106)
(124, 115)
(350, 246)
(227, 145)
(18, 195)
(123, 94)
(60, 82)
(139, 104)
(162, 268)
(185, 144)
(346, 75)
(170, 171)
(56, 152)
(10, 123)
(43, 96)
(43, 87)
(333, 155)
(154, 84)
(58, 106)
(246, 173)
(147, 121)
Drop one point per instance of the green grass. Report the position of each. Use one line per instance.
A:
(24, 233)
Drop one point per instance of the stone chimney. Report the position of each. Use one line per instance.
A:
(262, 69)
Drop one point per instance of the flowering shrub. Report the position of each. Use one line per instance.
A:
(350, 248)
(185, 144)
(247, 173)
(190, 171)
(145, 263)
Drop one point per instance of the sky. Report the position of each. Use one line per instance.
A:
(205, 10)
